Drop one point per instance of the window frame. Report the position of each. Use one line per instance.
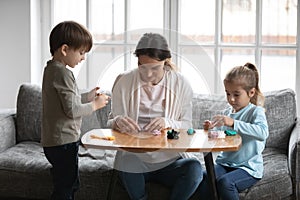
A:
(171, 22)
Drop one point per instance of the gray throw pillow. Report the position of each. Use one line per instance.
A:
(29, 111)
(206, 106)
(281, 114)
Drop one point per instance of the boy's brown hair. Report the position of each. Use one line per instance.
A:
(72, 34)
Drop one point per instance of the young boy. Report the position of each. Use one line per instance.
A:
(63, 106)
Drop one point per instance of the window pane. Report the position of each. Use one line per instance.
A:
(278, 69)
(105, 63)
(197, 66)
(197, 20)
(69, 10)
(107, 19)
(279, 21)
(238, 21)
(145, 14)
(235, 57)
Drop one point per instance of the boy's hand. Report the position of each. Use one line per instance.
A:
(100, 101)
(92, 94)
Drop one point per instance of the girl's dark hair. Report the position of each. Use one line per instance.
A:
(155, 46)
(247, 76)
(72, 34)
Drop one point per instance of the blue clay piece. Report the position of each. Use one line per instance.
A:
(230, 132)
(190, 131)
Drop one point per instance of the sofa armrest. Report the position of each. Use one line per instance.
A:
(7, 129)
(294, 157)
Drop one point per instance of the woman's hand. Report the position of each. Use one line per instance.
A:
(125, 125)
(157, 123)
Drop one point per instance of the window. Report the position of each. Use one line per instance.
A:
(207, 38)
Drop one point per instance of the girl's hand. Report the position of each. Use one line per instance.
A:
(157, 123)
(217, 120)
(228, 121)
(125, 125)
(222, 120)
(100, 101)
(92, 94)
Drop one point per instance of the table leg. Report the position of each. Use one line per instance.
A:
(112, 184)
(209, 164)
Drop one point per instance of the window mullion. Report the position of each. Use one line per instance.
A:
(298, 57)
(218, 35)
(89, 26)
(167, 17)
(127, 61)
(173, 28)
(258, 33)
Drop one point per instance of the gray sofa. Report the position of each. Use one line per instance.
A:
(24, 170)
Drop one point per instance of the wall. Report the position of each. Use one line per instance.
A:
(24, 46)
(15, 49)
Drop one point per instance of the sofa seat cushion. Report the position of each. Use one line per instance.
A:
(276, 182)
(24, 157)
(96, 167)
(25, 172)
(91, 160)
(30, 157)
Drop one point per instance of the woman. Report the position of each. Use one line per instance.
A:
(150, 98)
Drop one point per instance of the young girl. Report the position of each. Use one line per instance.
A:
(239, 170)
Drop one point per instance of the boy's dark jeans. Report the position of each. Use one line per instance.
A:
(64, 171)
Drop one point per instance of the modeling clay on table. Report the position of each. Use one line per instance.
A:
(103, 137)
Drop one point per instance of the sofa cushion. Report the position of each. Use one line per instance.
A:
(205, 107)
(29, 113)
(95, 159)
(281, 114)
(7, 129)
(89, 122)
(276, 182)
(29, 157)
(25, 172)
(24, 157)
(97, 119)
